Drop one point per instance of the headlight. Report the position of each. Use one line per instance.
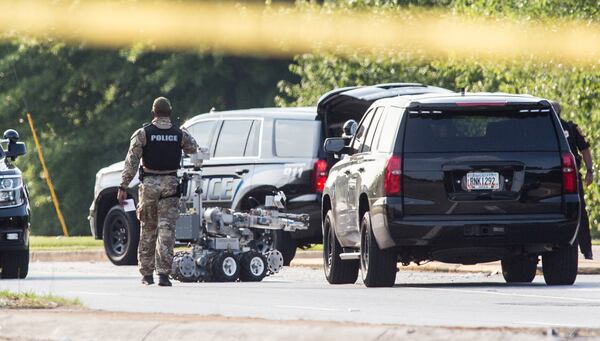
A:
(10, 191)
(10, 183)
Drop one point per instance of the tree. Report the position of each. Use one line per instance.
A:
(86, 103)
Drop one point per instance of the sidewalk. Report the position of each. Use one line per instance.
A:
(313, 259)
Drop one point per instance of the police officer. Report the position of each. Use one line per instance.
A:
(158, 145)
(579, 145)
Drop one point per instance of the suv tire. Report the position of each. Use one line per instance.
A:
(377, 267)
(560, 265)
(337, 271)
(121, 235)
(282, 241)
(14, 264)
(520, 269)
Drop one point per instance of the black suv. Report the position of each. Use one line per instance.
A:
(14, 211)
(453, 178)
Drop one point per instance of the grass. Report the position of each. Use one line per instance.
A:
(43, 243)
(596, 242)
(28, 300)
(313, 247)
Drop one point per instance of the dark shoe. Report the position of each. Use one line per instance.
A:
(148, 280)
(163, 281)
(588, 255)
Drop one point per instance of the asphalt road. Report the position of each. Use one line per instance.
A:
(419, 298)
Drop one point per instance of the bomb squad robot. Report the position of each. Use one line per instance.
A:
(224, 245)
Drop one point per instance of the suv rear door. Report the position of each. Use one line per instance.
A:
(234, 151)
(481, 161)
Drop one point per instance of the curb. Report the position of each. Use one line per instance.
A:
(68, 256)
(313, 260)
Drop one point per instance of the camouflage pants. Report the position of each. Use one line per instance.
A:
(157, 214)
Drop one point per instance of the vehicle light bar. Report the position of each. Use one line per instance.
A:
(480, 104)
(534, 110)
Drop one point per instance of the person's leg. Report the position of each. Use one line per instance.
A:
(168, 212)
(584, 235)
(148, 216)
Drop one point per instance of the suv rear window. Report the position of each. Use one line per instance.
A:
(297, 138)
(474, 132)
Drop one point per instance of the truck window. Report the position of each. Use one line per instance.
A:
(510, 131)
(202, 132)
(368, 143)
(253, 139)
(297, 138)
(361, 132)
(233, 138)
(389, 130)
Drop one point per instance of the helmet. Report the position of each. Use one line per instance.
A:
(11, 135)
(349, 129)
(161, 106)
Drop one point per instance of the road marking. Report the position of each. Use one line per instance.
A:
(305, 308)
(94, 293)
(577, 299)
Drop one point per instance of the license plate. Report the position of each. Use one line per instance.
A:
(483, 181)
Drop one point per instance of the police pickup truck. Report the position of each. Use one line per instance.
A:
(254, 153)
(14, 211)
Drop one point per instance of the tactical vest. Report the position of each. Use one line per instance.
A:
(162, 151)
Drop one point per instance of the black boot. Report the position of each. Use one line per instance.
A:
(163, 281)
(148, 280)
(588, 255)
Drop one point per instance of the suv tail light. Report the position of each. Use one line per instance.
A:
(569, 170)
(320, 175)
(392, 184)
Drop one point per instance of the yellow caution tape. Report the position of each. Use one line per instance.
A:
(285, 31)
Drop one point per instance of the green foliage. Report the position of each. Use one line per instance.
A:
(87, 102)
(576, 87)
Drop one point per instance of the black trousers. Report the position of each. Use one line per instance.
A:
(585, 238)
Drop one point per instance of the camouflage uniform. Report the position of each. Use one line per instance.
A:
(157, 208)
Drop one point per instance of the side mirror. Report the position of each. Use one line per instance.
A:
(334, 145)
(16, 149)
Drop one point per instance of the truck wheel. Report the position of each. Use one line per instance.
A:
(225, 267)
(121, 235)
(15, 264)
(560, 266)
(337, 271)
(282, 241)
(254, 266)
(519, 269)
(378, 267)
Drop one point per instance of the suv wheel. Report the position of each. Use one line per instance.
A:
(560, 266)
(520, 269)
(282, 241)
(121, 235)
(15, 264)
(337, 271)
(378, 267)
